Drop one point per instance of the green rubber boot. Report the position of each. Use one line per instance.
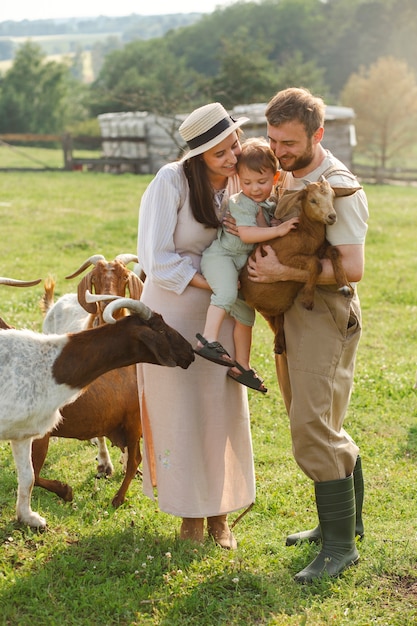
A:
(335, 500)
(359, 496)
(314, 535)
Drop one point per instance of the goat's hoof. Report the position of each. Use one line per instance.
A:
(68, 495)
(345, 291)
(117, 501)
(103, 471)
(33, 520)
(308, 305)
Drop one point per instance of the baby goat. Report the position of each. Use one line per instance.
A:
(301, 248)
(40, 373)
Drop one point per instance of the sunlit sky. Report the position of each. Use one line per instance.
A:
(18, 10)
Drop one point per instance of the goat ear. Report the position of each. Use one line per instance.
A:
(135, 286)
(287, 202)
(90, 307)
(342, 192)
(158, 345)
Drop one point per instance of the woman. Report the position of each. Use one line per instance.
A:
(197, 442)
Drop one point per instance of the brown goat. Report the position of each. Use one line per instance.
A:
(108, 408)
(73, 313)
(107, 278)
(301, 248)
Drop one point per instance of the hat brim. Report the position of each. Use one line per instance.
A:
(214, 142)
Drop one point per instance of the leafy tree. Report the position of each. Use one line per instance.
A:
(295, 71)
(245, 74)
(144, 77)
(32, 95)
(384, 98)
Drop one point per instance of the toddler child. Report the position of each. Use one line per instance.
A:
(252, 208)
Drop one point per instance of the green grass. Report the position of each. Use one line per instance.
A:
(98, 566)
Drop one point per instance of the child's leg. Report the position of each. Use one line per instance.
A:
(214, 319)
(208, 347)
(242, 336)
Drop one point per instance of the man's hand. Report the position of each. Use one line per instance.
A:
(265, 268)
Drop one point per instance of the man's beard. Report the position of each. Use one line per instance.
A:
(300, 162)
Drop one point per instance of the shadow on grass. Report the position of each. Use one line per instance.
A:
(136, 576)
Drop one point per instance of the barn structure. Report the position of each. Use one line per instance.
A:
(144, 141)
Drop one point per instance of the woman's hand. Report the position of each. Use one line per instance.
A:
(199, 281)
(229, 224)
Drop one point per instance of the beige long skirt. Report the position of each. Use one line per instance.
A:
(198, 459)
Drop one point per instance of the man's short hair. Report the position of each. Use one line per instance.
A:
(296, 104)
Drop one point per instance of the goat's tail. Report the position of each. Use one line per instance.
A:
(47, 299)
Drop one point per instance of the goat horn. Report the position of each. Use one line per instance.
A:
(19, 283)
(134, 305)
(126, 258)
(97, 297)
(90, 261)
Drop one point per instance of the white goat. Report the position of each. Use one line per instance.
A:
(40, 373)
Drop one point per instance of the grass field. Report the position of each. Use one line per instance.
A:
(98, 566)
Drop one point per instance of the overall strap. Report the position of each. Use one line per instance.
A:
(333, 170)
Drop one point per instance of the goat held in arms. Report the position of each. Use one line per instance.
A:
(301, 248)
(40, 373)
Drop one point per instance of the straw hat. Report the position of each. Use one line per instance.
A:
(206, 127)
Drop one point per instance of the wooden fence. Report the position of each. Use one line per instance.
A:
(119, 164)
(70, 161)
(379, 175)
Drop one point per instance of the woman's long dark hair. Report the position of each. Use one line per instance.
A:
(201, 193)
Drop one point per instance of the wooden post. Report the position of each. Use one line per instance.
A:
(67, 148)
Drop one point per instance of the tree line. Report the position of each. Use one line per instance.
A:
(126, 28)
(359, 53)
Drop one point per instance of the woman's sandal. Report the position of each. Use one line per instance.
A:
(214, 352)
(249, 378)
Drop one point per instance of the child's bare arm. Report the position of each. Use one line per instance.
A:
(258, 234)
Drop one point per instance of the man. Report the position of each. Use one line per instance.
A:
(316, 372)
